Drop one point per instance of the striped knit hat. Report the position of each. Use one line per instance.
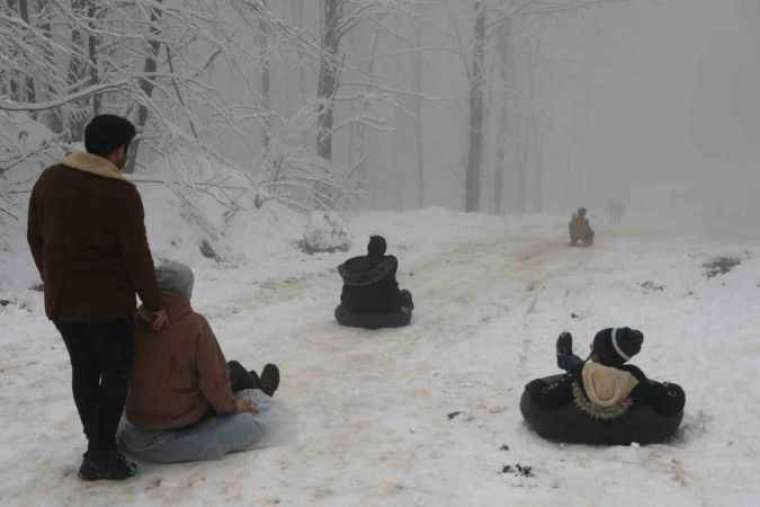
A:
(615, 346)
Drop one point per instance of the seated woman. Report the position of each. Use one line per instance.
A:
(371, 297)
(181, 404)
(602, 399)
(580, 229)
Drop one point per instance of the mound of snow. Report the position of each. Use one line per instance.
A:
(26, 147)
(198, 211)
(326, 232)
(265, 233)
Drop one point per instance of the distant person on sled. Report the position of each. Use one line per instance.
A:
(580, 230)
(371, 298)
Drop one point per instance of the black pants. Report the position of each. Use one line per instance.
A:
(101, 353)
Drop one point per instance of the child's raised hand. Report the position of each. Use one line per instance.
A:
(564, 344)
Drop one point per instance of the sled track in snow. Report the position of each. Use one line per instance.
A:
(543, 260)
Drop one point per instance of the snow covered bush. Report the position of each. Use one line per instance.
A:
(325, 232)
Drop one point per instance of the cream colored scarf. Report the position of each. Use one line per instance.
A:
(607, 387)
(93, 164)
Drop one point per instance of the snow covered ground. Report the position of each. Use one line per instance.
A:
(376, 410)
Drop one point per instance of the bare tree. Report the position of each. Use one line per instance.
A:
(105, 56)
(147, 83)
(83, 65)
(29, 92)
(503, 49)
(19, 87)
(265, 77)
(418, 131)
(329, 71)
(357, 159)
(200, 74)
(534, 133)
(340, 17)
(519, 120)
(477, 83)
(298, 19)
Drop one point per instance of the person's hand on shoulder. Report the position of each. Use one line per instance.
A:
(160, 320)
(157, 320)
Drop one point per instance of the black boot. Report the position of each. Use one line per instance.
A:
(270, 379)
(405, 298)
(107, 464)
(241, 379)
(669, 398)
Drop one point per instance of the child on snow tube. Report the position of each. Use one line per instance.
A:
(602, 400)
(371, 298)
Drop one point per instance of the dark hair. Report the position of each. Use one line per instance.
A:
(107, 132)
(376, 246)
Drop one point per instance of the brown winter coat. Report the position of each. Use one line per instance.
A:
(87, 236)
(180, 374)
(580, 229)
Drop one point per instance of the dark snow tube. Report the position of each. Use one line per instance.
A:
(373, 320)
(567, 423)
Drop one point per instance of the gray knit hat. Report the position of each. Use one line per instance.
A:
(175, 277)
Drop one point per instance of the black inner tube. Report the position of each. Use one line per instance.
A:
(372, 320)
(567, 423)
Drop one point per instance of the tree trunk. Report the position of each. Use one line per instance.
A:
(329, 70)
(298, 13)
(52, 118)
(92, 53)
(536, 160)
(147, 84)
(521, 165)
(418, 122)
(536, 166)
(503, 49)
(361, 129)
(265, 78)
(477, 78)
(30, 94)
(23, 90)
(80, 68)
(13, 86)
(298, 21)
(327, 87)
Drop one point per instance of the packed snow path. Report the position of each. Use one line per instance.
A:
(428, 415)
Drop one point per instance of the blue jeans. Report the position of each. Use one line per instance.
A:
(209, 439)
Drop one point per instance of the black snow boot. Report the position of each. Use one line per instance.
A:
(270, 379)
(241, 379)
(108, 464)
(669, 398)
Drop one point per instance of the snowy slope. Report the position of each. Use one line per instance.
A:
(373, 407)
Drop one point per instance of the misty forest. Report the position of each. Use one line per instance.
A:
(548, 177)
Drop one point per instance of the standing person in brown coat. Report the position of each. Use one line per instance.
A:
(87, 237)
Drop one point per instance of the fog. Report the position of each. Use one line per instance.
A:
(546, 106)
(649, 102)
